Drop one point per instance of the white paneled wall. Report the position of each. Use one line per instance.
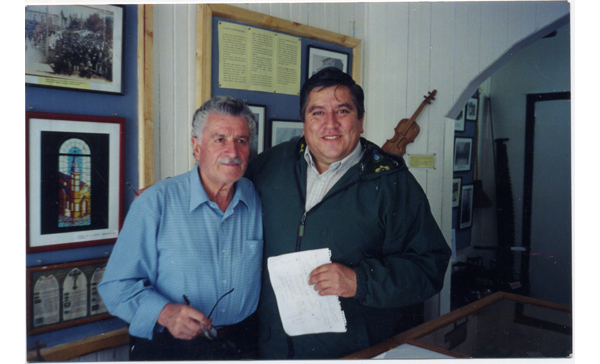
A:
(409, 48)
(174, 88)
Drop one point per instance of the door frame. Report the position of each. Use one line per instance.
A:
(532, 100)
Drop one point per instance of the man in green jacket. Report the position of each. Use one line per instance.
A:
(333, 189)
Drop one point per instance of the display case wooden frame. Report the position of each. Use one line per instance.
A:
(413, 335)
(58, 274)
(59, 200)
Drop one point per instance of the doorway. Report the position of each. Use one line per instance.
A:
(547, 198)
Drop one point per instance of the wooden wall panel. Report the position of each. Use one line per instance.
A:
(519, 20)
(493, 34)
(299, 13)
(164, 47)
(375, 82)
(175, 89)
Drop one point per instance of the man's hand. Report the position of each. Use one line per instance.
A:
(183, 321)
(334, 279)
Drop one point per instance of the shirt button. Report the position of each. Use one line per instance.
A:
(224, 280)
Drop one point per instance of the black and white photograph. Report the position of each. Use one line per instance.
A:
(74, 47)
(466, 207)
(462, 154)
(456, 186)
(284, 130)
(471, 109)
(459, 123)
(319, 58)
(257, 144)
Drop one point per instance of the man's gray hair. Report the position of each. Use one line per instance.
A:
(222, 105)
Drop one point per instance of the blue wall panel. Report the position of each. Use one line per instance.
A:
(64, 101)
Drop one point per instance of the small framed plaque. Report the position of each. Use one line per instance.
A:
(64, 295)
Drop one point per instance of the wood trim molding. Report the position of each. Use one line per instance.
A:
(204, 39)
(203, 54)
(76, 349)
(145, 90)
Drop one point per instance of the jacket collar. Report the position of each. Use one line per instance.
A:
(374, 163)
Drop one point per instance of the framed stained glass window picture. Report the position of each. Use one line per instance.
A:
(74, 180)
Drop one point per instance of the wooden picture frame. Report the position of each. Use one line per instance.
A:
(465, 219)
(281, 130)
(75, 47)
(74, 180)
(53, 303)
(471, 109)
(205, 13)
(257, 144)
(456, 189)
(463, 148)
(319, 58)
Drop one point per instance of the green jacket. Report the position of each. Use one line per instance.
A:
(376, 219)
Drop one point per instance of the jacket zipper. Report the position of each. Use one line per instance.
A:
(303, 219)
(300, 232)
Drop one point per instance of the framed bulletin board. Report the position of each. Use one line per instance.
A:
(208, 15)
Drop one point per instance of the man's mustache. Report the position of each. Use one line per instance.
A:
(230, 161)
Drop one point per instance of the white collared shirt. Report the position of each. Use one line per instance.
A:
(318, 184)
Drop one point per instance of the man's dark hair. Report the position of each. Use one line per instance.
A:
(328, 77)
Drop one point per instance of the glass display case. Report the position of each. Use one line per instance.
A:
(501, 325)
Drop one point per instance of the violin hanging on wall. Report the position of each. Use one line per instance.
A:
(407, 130)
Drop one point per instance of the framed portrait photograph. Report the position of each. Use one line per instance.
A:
(466, 207)
(64, 295)
(74, 180)
(471, 109)
(257, 144)
(456, 188)
(75, 47)
(319, 58)
(283, 130)
(459, 123)
(462, 154)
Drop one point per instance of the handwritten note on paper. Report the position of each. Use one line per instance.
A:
(301, 308)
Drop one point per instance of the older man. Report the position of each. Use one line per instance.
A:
(185, 271)
(333, 189)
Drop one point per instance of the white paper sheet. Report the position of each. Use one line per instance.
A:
(301, 308)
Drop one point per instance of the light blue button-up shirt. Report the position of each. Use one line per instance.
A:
(176, 242)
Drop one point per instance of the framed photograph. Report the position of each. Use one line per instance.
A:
(64, 295)
(74, 180)
(456, 188)
(283, 130)
(75, 47)
(459, 123)
(319, 58)
(471, 109)
(462, 154)
(257, 144)
(466, 207)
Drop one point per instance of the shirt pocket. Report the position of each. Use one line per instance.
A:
(252, 256)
